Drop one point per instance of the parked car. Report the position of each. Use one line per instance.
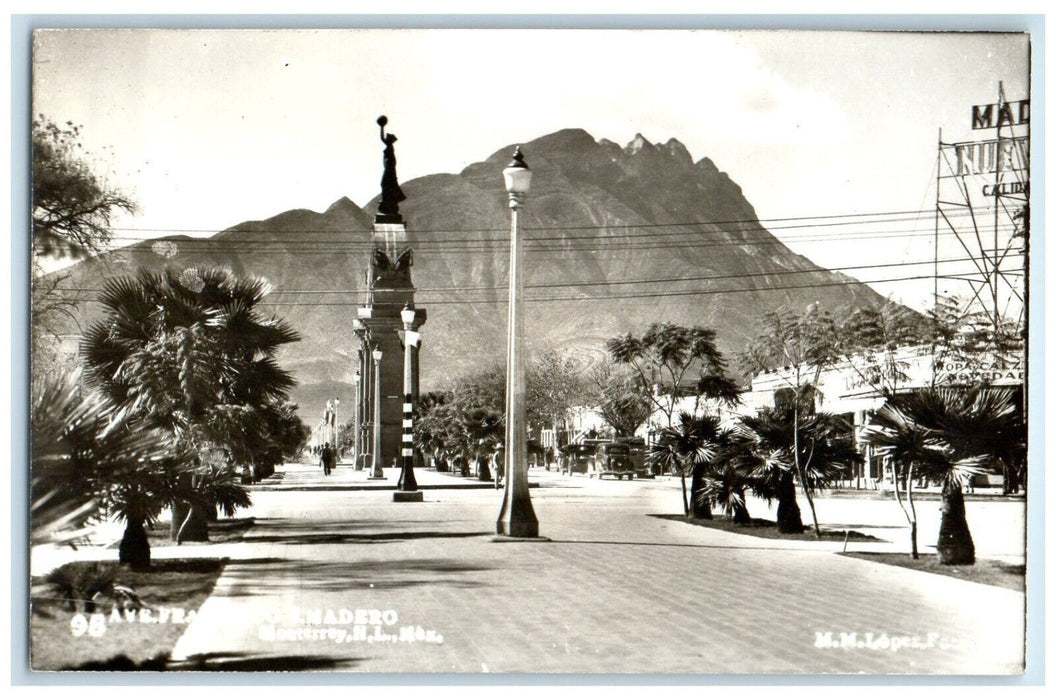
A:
(574, 458)
(613, 459)
(638, 451)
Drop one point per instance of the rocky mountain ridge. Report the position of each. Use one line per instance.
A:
(615, 239)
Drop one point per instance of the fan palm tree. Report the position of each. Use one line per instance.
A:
(949, 435)
(724, 484)
(188, 353)
(688, 447)
(483, 428)
(763, 448)
(88, 457)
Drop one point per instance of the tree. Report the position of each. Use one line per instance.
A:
(86, 455)
(72, 206)
(949, 435)
(798, 348)
(188, 353)
(773, 447)
(554, 385)
(688, 447)
(432, 433)
(879, 343)
(465, 423)
(621, 399)
(72, 212)
(665, 357)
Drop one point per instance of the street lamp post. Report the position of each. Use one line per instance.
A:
(377, 472)
(363, 395)
(407, 486)
(356, 417)
(516, 517)
(334, 425)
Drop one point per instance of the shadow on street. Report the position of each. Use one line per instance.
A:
(249, 577)
(245, 662)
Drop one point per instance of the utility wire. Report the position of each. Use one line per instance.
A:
(276, 248)
(605, 230)
(710, 222)
(703, 278)
(634, 295)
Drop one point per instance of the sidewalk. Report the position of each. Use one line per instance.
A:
(345, 477)
(350, 581)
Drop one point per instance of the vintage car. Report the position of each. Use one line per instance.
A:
(574, 458)
(638, 452)
(613, 459)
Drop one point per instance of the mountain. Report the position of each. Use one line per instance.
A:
(615, 239)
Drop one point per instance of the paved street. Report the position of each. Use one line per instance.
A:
(333, 568)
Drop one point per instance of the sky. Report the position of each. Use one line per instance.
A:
(206, 129)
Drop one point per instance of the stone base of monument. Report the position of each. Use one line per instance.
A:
(407, 496)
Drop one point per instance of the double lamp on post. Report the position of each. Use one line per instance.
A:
(407, 486)
(516, 516)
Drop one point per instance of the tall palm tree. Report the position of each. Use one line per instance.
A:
(188, 352)
(949, 435)
(763, 448)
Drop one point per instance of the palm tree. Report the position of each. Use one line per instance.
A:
(483, 428)
(687, 447)
(949, 435)
(88, 457)
(723, 484)
(433, 427)
(763, 448)
(188, 353)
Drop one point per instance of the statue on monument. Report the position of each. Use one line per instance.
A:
(391, 194)
(392, 273)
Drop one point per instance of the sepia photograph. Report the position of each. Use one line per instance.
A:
(651, 352)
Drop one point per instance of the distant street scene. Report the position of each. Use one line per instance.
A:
(744, 392)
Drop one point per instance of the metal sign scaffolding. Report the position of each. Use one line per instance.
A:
(983, 203)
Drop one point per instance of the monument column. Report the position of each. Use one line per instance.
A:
(390, 291)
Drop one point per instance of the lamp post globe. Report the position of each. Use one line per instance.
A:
(516, 516)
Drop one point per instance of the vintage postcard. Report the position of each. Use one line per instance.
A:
(530, 351)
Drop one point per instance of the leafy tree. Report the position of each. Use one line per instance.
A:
(72, 211)
(72, 206)
(554, 385)
(433, 428)
(797, 348)
(666, 356)
(621, 399)
(465, 424)
(879, 343)
(188, 353)
(949, 435)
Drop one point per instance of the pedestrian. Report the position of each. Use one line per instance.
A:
(326, 458)
(498, 461)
